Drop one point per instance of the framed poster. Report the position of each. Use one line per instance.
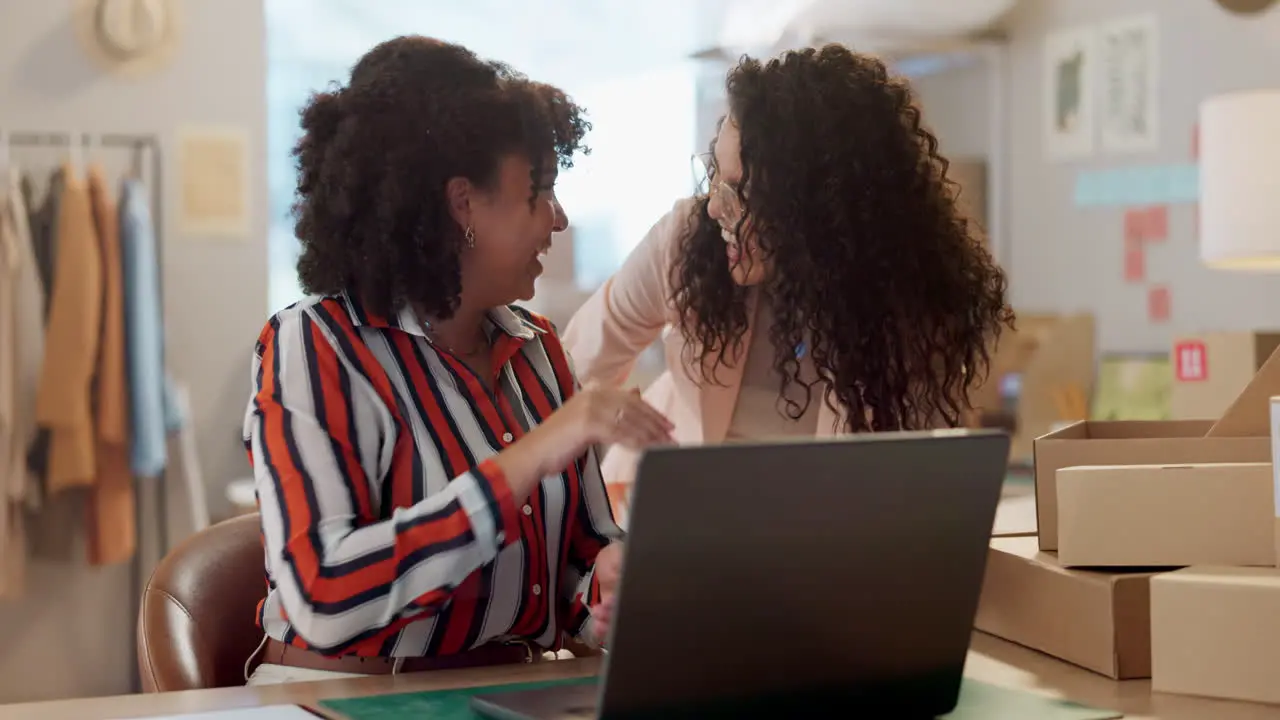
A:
(1129, 58)
(1068, 94)
(213, 182)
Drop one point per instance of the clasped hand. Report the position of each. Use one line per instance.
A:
(608, 573)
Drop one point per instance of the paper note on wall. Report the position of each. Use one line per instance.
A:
(1139, 185)
(1133, 225)
(1157, 223)
(1147, 223)
(213, 191)
(1135, 260)
(1158, 304)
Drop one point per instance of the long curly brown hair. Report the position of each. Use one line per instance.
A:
(375, 156)
(874, 267)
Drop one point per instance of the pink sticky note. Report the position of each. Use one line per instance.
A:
(1156, 225)
(1158, 303)
(1135, 220)
(1135, 260)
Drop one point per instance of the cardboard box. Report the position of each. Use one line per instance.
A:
(970, 176)
(1211, 369)
(1096, 619)
(1040, 374)
(1215, 632)
(1241, 435)
(1166, 515)
(1275, 463)
(1015, 517)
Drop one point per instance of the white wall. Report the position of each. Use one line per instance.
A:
(956, 107)
(1065, 258)
(1062, 258)
(71, 636)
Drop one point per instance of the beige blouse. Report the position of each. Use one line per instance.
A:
(760, 413)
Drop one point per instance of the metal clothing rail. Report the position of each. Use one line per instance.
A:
(143, 147)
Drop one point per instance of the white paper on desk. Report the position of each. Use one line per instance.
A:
(268, 712)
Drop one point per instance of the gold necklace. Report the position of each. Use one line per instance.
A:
(437, 340)
(476, 350)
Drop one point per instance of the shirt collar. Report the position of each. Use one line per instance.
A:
(514, 323)
(503, 319)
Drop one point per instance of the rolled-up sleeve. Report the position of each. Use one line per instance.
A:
(322, 442)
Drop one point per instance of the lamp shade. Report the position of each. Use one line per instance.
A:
(1240, 181)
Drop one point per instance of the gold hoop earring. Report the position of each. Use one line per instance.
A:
(470, 236)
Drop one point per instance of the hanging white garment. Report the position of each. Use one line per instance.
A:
(21, 357)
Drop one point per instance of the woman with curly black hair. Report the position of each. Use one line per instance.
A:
(826, 283)
(423, 460)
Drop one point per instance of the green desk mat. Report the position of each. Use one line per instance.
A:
(978, 701)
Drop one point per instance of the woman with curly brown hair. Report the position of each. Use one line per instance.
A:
(423, 458)
(826, 283)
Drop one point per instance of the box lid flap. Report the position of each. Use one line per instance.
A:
(1250, 414)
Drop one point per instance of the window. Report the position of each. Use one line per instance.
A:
(639, 93)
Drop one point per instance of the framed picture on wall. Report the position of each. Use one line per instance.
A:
(1068, 94)
(1129, 57)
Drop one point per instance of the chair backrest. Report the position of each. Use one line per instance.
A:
(196, 624)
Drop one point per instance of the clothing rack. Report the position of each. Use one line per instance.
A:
(143, 147)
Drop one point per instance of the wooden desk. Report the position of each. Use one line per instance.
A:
(990, 660)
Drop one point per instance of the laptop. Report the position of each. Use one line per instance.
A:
(834, 577)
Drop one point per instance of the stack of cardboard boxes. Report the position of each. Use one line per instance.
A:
(1156, 552)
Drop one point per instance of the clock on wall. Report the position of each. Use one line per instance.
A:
(128, 36)
(1245, 7)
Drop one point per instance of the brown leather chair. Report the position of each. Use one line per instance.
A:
(196, 625)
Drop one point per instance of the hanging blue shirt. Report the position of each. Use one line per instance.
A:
(150, 413)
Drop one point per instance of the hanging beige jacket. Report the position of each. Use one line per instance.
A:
(111, 521)
(21, 354)
(64, 403)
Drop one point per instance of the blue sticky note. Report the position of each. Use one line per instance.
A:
(1143, 186)
(1089, 191)
(1138, 185)
(1184, 184)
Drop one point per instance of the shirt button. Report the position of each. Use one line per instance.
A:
(537, 589)
(507, 437)
(527, 510)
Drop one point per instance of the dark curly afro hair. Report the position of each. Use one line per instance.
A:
(875, 268)
(375, 157)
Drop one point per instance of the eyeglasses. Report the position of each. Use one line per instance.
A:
(704, 183)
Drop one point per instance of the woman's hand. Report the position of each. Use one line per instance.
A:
(595, 415)
(608, 573)
(599, 414)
